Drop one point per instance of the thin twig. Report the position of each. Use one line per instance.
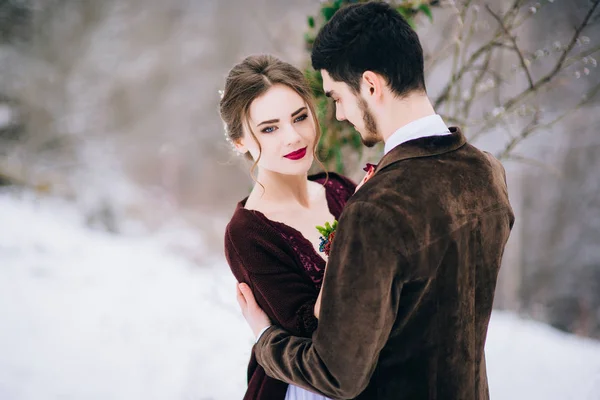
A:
(443, 49)
(500, 80)
(470, 32)
(458, 76)
(497, 76)
(459, 42)
(532, 127)
(475, 84)
(509, 104)
(527, 16)
(572, 60)
(514, 42)
(494, 42)
(526, 160)
(562, 59)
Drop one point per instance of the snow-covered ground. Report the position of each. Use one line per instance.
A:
(88, 315)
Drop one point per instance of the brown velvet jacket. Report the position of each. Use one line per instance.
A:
(410, 281)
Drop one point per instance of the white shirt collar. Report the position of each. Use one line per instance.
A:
(432, 125)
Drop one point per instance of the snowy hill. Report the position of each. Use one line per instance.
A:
(88, 315)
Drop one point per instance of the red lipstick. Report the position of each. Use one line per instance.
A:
(296, 155)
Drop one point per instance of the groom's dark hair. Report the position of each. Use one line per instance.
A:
(370, 37)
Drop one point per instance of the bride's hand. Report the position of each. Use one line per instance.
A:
(254, 315)
(317, 310)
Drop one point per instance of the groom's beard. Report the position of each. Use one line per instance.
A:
(370, 138)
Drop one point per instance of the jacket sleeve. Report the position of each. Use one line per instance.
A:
(360, 299)
(263, 260)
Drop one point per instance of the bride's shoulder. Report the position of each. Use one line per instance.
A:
(249, 236)
(243, 219)
(338, 184)
(246, 223)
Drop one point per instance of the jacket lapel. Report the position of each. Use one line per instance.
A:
(423, 147)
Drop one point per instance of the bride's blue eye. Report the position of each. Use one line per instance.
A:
(269, 129)
(301, 118)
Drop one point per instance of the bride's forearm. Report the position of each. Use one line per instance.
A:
(318, 304)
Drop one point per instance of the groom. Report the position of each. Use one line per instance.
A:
(409, 286)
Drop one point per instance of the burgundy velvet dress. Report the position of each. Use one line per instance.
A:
(284, 271)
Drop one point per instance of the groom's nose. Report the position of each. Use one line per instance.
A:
(339, 113)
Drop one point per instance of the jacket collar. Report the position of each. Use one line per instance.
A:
(423, 147)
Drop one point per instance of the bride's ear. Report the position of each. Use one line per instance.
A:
(240, 146)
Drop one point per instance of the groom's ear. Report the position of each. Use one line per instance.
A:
(372, 84)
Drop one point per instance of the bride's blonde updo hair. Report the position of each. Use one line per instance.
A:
(252, 78)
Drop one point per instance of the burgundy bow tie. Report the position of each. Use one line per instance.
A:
(370, 167)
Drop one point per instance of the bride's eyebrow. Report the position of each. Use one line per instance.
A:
(298, 111)
(273, 121)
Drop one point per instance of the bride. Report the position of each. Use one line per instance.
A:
(271, 242)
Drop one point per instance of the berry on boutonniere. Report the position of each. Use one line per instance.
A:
(327, 234)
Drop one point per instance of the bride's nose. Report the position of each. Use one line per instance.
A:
(291, 135)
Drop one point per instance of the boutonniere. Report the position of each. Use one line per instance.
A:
(370, 171)
(327, 234)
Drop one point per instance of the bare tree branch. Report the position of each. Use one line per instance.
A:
(473, 93)
(533, 127)
(496, 75)
(509, 104)
(497, 40)
(514, 42)
(570, 46)
(459, 42)
(526, 160)
(465, 68)
(442, 50)
(572, 60)
(471, 31)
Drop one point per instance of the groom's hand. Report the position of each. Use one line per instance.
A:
(254, 315)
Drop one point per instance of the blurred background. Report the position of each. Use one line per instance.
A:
(117, 183)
